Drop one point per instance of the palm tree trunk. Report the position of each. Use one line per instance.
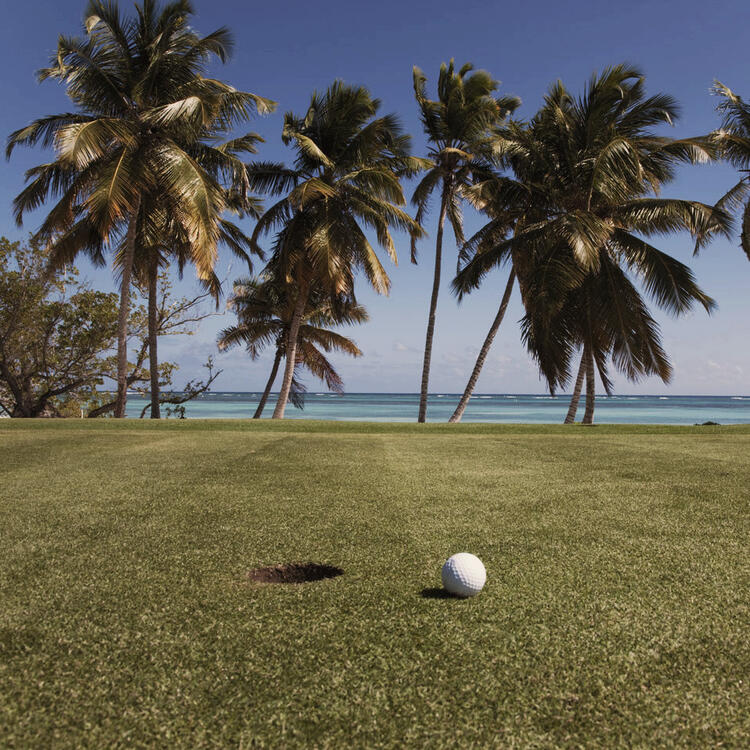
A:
(462, 404)
(291, 353)
(588, 416)
(122, 320)
(433, 307)
(269, 384)
(570, 417)
(153, 358)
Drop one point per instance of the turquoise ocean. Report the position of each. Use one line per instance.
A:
(500, 407)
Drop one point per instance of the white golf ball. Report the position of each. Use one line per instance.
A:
(464, 574)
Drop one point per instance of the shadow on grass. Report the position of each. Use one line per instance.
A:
(436, 592)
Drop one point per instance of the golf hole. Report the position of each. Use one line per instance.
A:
(294, 573)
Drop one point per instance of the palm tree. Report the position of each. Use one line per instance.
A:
(345, 178)
(732, 141)
(606, 317)
(598, 166)
(143, 126)
(459, 126)
(264, 309)
(159, 240)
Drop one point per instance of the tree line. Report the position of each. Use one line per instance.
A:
(148, 169)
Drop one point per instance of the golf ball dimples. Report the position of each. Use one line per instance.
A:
(464, 574)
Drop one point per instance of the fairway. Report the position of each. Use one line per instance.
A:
(616, 610)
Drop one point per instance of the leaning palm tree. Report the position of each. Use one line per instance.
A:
(143, 126)
(264, 309)
(598, 166)
(510, 203)
(732, 141)
(345, 179)
(459, 126)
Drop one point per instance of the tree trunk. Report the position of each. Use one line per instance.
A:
(463, 403)
(573, 408)
(422, 416)
(291, 353)
(269, 384)
(153, 358)
(122, 320)
(588, 416)
(19, 397)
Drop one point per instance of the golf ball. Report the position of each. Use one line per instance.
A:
(464, 574)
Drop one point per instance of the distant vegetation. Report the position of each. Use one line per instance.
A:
(150, 168)
(58, 334)
(265, 312)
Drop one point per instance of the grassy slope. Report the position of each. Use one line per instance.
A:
(616, 610)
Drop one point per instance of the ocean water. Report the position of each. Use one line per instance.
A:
(500, 407)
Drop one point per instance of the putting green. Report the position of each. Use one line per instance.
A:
(615, 612)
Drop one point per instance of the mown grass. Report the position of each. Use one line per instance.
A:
(616, 611)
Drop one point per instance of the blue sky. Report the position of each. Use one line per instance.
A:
(284, 51)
